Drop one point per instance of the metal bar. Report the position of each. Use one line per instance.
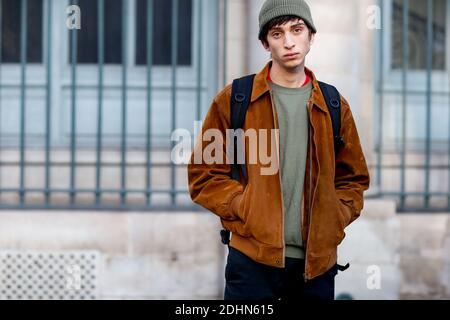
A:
(101, 55)
(405, 39)
(215, 60)
(92, 190)
(447, 61)
(164, 165)
(416, 194)
(1, 84)
(115, 209)
(184, 191)
(428, 103)
(225, 47)
(416, 167)
(74, 51)
(124, 99)
(48, 103)
(409, 210)
(131, 86)
(199, 62)
(149, 100)
(85, 164)
(416, 92)
(23, 68)
(174, 61)
(380, 99)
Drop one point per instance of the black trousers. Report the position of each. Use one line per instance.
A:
(250, 280)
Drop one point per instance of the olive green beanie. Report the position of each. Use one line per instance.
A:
(275, 8)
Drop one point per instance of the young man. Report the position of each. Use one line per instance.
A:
(285, 225)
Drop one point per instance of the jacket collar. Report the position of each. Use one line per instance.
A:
(261, 86)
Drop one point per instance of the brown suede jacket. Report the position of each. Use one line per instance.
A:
(333, 189)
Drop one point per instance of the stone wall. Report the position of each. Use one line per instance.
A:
(178, 255)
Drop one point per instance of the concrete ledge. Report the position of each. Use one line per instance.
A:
(379, 209)
(145, 255)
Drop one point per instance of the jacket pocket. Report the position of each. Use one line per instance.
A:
(235, 226)
(247, 210)
(343, 216)
(346, 212)
(244, 206)
(238, 226)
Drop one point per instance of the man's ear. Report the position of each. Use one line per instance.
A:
(311, 40)
(265, 45)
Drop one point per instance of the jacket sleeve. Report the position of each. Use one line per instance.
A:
(351, 175)
(210, 184)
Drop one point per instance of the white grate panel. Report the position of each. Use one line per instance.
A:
(67, 275)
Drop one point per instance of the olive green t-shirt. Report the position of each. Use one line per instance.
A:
(291, 107)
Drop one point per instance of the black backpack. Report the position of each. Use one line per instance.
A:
(241, 93)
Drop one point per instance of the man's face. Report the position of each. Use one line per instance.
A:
(289, 43)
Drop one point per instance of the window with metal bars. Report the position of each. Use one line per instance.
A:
(417, 34)
(88, 35)
(11, 27)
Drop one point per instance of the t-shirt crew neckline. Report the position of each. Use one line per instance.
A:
(307, 80)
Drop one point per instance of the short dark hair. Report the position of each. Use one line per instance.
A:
(277, 22)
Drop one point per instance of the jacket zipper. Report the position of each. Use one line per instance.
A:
(305, 276)
(276, 126)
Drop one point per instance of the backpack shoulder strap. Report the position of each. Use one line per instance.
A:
(241, 93)
(333, 100)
